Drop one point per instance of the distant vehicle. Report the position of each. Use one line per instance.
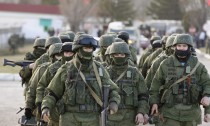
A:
(134, 34)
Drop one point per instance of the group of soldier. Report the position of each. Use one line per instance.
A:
(65, 84)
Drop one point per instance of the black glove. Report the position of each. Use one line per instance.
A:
(39, 108)
(28, 113)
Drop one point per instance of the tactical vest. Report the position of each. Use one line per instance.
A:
(128, 88)
(186, 92)
(53, 69)
(77, 97)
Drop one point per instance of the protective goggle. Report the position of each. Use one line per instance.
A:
(88, 42)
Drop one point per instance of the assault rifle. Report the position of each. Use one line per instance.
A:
(104, 112)
(22, 63)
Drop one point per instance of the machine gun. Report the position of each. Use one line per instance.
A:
(104, 112)
(22, 63)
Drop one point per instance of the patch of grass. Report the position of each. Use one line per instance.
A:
(6, 54)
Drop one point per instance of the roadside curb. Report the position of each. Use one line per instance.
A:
(9, 77)
(202, 53)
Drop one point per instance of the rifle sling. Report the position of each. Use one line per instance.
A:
(180, 80)
(95, 96)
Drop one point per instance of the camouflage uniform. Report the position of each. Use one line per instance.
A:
(26, 73)
(180, 102)
(104, 42)
(77, 106)
(133, 91)
(47, 77)
(147, 52)
(155, 45)
(31, 93)
(45, 57)
(125, 36)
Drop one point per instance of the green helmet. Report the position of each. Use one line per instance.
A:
(170, 41)
(112, 34)
(71, 35)
(55, 49)
(106, 40)
(84, 40)
(183, 39)
(52, 40)
(39, 42)
(164, 39)
(119, 47)
(77, 35)
(64, 38)
(153, 38)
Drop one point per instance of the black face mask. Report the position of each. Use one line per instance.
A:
(181, 53)
(38, 52)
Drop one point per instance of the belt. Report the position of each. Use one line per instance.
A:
(82, 108)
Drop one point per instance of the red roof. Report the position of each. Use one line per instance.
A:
(29, 8)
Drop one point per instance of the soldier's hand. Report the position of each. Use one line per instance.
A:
(207, 118)
(139, 119)
(205, 101)
(146, 119)
(31, 66)
(46, 114)
(113, 107)
(154, 109)
(28, 113)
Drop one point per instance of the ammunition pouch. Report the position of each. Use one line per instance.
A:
(128, 91)
(194, 93)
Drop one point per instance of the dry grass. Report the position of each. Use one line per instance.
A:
(5, 54)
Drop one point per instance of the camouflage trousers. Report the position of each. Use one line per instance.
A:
(171, 122)
(79, 119)
(124, 117)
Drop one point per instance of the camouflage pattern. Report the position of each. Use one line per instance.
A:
(71, 35)
(177, 103)
(134, 96)
(39, 42)
(52, 40)
(72, 114)
(147, 52)
(149, 60)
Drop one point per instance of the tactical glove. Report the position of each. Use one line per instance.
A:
(113, 107)
(28, 113)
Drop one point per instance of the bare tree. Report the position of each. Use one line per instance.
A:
(195, 13)
(76, 11)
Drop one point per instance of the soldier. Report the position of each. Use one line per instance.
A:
(156, 63)
(125, 36)
(45, 57)
(77, 84)
(157, 44)
(147, 52)
(26, 72)
(71, 35)
(67, 55)
(180, 84)
(133, 91)
(13, 42)
(54, 55)
(104, 42)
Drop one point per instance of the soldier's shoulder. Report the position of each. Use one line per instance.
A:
(29, 56)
